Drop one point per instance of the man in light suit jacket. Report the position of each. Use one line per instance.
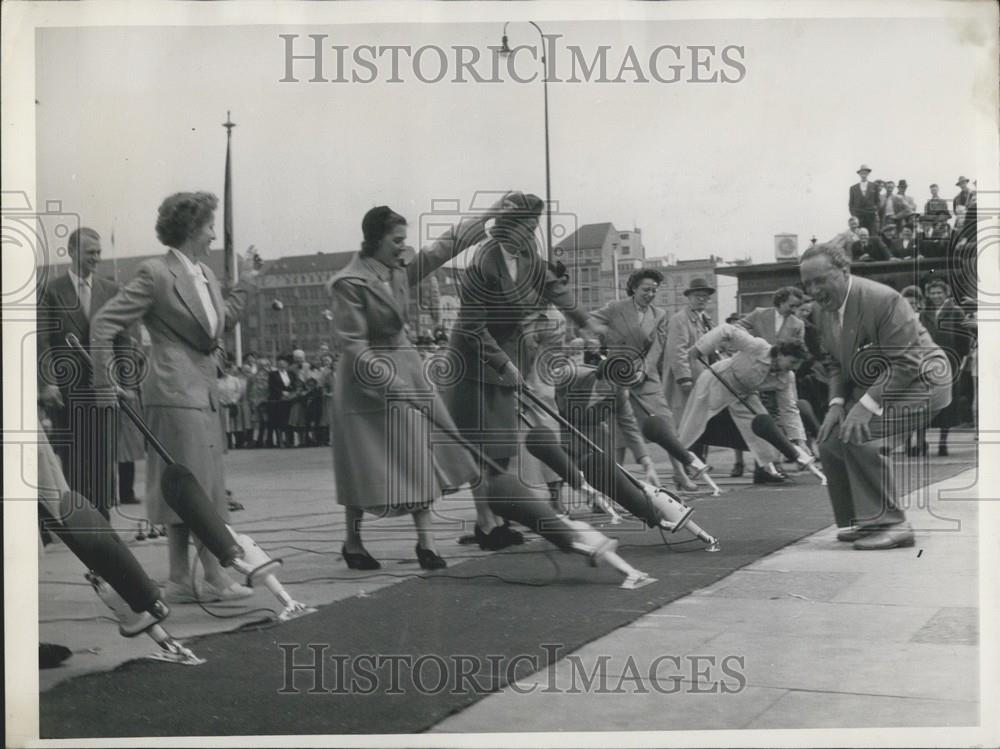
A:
(634, 329)
(683, 330)
(863, 201)
(887, 379)
(84, 437)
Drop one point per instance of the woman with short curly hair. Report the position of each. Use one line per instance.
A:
(178, 299)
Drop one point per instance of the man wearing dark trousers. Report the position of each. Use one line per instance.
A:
(84, 432)
(887, 379)
(862, 201)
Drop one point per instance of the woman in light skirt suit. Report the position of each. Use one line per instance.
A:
(178, 299)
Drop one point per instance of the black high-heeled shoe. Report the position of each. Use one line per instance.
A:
(429, 560)
(361, 561)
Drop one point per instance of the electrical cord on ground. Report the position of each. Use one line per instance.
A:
(273, 619)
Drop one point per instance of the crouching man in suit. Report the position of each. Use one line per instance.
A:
(887, 378)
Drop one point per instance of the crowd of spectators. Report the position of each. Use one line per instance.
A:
(279, 405)
(886, 223)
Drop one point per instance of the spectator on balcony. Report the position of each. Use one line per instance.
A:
(867, 250)
(905, 247)
(964, 196)
(863, 200)
(935, 210)
(887, 205)
(935, 240)
(847, 238)
(889, 235)
(906, 208)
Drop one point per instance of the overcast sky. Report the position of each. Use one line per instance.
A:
(126, 116)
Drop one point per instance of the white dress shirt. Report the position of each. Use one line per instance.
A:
(201, 285)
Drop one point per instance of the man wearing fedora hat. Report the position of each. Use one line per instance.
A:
(684, 366)
(863, 202)
(964, 195)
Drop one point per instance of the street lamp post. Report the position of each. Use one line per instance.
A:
(505, 50)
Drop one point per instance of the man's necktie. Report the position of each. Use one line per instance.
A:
(84, 293)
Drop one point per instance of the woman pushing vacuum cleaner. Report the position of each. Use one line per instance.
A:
(733, 384)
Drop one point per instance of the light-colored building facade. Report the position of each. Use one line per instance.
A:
(599, 259)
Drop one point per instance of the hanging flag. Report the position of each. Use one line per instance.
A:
(227, 212)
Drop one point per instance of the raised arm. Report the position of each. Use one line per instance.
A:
(455, 240)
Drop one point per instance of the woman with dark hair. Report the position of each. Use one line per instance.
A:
(383, 402)
(178, 299)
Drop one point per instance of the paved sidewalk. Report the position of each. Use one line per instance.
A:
(816, 635)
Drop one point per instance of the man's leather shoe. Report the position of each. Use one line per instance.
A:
(850, 535)
(737, 471)
(887, 538)
(760, 476)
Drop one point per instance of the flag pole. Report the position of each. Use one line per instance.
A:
(229, 252)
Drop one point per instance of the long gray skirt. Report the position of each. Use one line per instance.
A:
(193, 437)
